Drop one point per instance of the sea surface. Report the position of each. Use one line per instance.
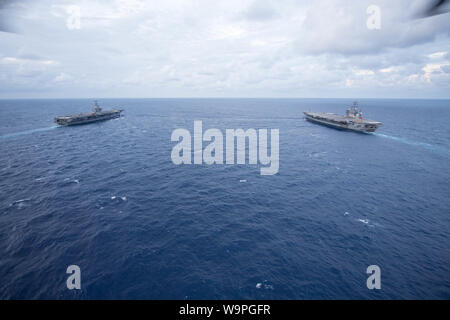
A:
(107, 197)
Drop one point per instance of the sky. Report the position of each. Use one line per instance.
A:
(229, 48)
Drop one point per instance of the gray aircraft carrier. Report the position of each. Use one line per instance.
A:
(353, 120)
(97, 115)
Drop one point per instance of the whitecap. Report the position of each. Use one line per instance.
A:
(113, 197)
(268, 287)
(19, 203)
(265, 284)
(243, 180)
(365, 221)
(124, 198)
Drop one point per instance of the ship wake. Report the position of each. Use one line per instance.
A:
(423, 145)
(22, 133)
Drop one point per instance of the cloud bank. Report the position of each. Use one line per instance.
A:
(245, 48)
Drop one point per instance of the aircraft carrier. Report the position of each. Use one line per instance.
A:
(353, 120)
(96, 115)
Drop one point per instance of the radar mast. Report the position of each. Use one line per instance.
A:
(97, 108)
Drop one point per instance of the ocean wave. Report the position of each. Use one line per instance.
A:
(365, 221)
(123, 198)
(20, 203)
(264, 285)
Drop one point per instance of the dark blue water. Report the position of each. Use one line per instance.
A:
(107, 197)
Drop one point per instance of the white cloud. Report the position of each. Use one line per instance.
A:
(387, 70)
(438, 55)
(228, 32)
(364, 73)
(16, 60)
(63, 77)
(225, 48)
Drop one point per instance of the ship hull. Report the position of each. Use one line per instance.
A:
(340, 122)
(87, 118)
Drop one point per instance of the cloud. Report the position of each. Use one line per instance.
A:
(341, 27)
(438, 55)
(62, 77)
(364, 73)
(261, 10)
(224, 48)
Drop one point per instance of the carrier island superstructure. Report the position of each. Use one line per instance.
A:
(353, 120)
(96, 115)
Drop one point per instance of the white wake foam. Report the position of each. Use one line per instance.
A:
(21, 133)
(424, 145)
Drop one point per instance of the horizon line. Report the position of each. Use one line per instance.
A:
(166, 98)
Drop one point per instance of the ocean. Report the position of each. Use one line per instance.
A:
(108, 198)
